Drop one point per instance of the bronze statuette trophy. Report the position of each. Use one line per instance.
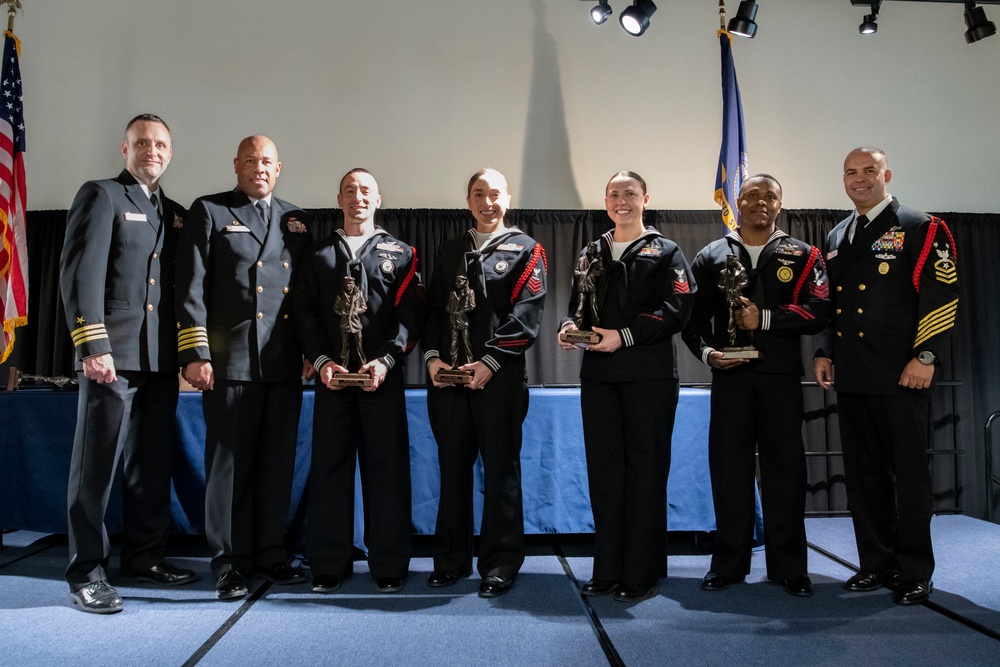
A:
(461, 302)
(349, 305)
(588, 272)
(732, 280)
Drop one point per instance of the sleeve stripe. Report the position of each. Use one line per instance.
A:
(935, 322)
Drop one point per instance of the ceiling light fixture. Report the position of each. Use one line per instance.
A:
(743, 23)
(635, 19)
(979, 27)
(600, 12)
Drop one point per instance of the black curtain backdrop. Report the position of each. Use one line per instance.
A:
(967, 393)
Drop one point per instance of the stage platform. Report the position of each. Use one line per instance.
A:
(542, 621)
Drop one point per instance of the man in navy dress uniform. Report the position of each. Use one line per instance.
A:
(117, 284)
(236, 261)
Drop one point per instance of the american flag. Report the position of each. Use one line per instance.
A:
(13, 199)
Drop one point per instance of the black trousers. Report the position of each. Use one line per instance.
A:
(468, 423)
(885, 440)
(132, 419)
(758, 414)
(352, 425)
(250, 437)
(627, 428)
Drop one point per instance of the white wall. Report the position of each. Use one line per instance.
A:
(424, 92)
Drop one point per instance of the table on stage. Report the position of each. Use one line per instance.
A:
(37, 438)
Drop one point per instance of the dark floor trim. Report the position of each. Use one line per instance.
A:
(227, 626)
(36, 547)
(610, 652)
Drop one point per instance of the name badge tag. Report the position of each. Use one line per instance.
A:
(135, 217)
(830, 255)
(236, 228)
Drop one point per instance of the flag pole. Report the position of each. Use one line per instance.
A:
(12, 7)
(722, 14)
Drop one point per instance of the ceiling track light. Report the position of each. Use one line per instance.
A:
(600, 12)
(743, 23)
(635, 19)
(870, 26)
(978, 26)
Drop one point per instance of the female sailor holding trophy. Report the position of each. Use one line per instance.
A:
(629, 389)
(485, 297)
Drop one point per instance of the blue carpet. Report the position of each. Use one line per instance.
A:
(542, 621)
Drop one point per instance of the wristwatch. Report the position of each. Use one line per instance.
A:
(926, 357)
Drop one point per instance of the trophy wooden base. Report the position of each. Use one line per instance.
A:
(352, 379)
(741, 353)
(453, 376)
(580, 336)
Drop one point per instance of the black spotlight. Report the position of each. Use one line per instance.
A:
(600, 12)
(635, 19)
(743, 23)
(979, 27)
(869, 25)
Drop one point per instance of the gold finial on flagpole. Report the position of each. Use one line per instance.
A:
(12, 8)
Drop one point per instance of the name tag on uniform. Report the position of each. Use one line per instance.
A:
(135, 217)
(830, 255)
(236, 227)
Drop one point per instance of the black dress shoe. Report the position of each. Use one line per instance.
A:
(912, 592)
(596, 587)
(494, 586)
(634, 592)
(162, 573)
(98, 597)
(892, 579)
(442, 578)
(389, 584)
(864, 581)
(326, 583)
(801, 586)
(281, 573)
(231, 586)
(717, 582)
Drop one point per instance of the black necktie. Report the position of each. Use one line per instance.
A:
(859, 222)
(156, 204)
(262, 209)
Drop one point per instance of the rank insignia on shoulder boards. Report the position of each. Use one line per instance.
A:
(178, 222)
(296, 227)
(681, 283)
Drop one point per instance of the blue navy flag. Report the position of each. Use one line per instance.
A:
(733, 155)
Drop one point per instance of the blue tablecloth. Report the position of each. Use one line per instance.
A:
(36, 427)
